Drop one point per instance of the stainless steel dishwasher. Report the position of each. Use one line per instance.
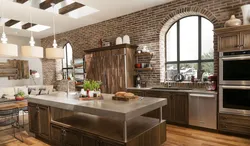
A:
(203, 110)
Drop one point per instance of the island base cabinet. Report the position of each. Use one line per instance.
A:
(39, 120)
(65, 137)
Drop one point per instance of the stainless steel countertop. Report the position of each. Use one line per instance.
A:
(120, 110)
(200, 91)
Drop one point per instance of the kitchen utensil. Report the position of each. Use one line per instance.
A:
(179, 78)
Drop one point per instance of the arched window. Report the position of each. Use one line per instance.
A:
(189, 48)
(67, 62)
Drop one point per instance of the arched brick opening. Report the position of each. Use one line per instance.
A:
(170, 20)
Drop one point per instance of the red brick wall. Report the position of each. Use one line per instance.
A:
(144, 28)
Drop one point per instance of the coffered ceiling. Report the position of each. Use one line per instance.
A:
(70, 14)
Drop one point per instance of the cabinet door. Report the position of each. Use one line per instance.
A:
(153, 94)
(33, 118)
(229, 42)
(72, 138)
(89, 141)
(56, 135)
(44, 122)
(155, 113)
(108, 143)
(89, 66)
(245, 40)
(180, 109)
(167, 110)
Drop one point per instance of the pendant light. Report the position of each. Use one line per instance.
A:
(32, 51)
(54, 53)
(7, 50)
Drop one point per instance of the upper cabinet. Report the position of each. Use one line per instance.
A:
(233, 38)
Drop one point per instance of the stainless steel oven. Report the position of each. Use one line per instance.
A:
(234, 68)
(234, 99)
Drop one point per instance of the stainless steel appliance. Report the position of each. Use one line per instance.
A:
(234, 68)
(234, 99)
(203, 110)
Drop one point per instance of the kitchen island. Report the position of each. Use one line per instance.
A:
(69, 121)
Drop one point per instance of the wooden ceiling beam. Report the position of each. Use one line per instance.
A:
(47, 3)
(27, 25)
(21, 1)
(70, 8)
(11, 22)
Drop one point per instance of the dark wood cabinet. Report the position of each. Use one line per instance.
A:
(65, 137)
(113, 65)
(33, 118)
(179, 101)
(235, 124)
(176, 111)
(39, 120)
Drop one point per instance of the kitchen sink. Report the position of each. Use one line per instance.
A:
(171, 88)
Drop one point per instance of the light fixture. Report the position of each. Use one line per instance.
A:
(54, 53)
(32, 50)
(7, 50)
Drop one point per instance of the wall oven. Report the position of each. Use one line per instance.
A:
(234, 99)
(234, 68)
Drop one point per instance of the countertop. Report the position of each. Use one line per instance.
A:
(120, 110)
(200, 91)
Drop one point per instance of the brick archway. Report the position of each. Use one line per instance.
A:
(170, 20)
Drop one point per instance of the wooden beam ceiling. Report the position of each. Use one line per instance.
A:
(11, 22)
(70, 8)
(46, 4)
(27, 25)
(21, 1)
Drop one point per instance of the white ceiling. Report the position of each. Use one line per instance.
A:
(107, 9)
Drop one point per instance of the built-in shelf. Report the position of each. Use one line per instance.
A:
(144, 54)
(144, 69)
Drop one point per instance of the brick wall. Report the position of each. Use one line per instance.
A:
(144, 28)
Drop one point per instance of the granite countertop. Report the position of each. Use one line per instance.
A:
(198, 91)
(120, 110)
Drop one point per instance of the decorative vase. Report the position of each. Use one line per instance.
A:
(246, 14)
(233, 21)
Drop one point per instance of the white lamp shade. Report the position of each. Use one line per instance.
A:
(54, 53)
(32, 51)
(8, 50)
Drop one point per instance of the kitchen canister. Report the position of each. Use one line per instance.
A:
(233, 21)
(126, 39)
(246, 14)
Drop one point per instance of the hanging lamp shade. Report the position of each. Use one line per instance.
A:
(32, 51)
(8, 50)
(54, 53)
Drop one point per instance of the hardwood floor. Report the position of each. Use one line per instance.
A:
(176, 136)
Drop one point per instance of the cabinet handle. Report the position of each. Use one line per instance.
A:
(37, 109)
(64, 132)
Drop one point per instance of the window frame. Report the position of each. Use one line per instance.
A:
(67, 68)
(178, 62)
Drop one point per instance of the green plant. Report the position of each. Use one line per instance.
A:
(91, 85)
(20, 94)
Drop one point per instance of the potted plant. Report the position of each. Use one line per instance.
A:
(91, 87)
(20, 96)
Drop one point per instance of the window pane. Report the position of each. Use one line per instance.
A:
(189, 38)
(188, 70)
(64, 59)
(171, 43)
(207, 36)
(208, 67)
(70, 55)
(171, 71)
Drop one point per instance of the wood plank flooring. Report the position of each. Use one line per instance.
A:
(176, 136)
